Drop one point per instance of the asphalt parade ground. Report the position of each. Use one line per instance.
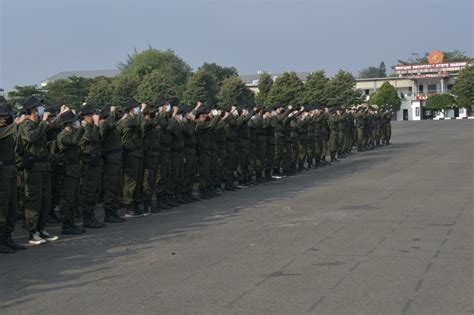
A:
(388, 231)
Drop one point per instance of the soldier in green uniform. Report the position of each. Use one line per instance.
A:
(311, 146)
(204, 126)
(131, 132)
(318, 118)
(232, 132)
(334, 119)
(325, 135)
(112, 158)
(269, 119)
(190, 166)
(151, 158)
(387, 127)
(304, 153)
(360, 128)
(56, 167)
(341, 132)
(37, 171)
(69, 152)
(164, 183)
(254, 124)
(220, 139)
(91, 160)
(260, 123)
(281, 148)
(8, 174)
(243, 147)
(177, 127)
(349, 136)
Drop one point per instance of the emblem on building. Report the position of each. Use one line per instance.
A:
(435, 57)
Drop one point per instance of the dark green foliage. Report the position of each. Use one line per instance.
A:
(234, 92)
(440, 101)
(265, 83)
(155, 85)
(314, 90)
(464, 87)
(201, 86)
(286, 89)
(220, 73)
(373, 72)
(18, 96)
(167, 62)
(340, 90)
(101, 92)
(72, 91)
(386, 98)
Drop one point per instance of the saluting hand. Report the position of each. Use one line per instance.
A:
(96, 119)
(46, 116)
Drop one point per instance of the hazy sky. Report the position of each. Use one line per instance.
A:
(40, 38)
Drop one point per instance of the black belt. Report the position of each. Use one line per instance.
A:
(113, 151)
(7, 162)
(133, 149)
(41, 159)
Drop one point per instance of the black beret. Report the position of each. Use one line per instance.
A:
(279, 105)
(161, 101)
(5, 109)
(87, 109)
(67, 117)
(130, 103)
(54, 109)
(30, 103)
(104, 111)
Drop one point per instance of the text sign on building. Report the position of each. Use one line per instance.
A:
(427, 68)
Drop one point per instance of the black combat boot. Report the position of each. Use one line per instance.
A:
(111, 218)
(4, 248)
(10, 243)
(179, 199)
(171, 202)
(161, 205)
(52, 217)
(69, 229)
(91, 222)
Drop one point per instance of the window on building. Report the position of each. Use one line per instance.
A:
(450, 87)
(420, 88)
(417, 111)
(367, 92)
(410, 90)
(432, 88)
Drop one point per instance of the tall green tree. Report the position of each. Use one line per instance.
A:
(340, 90)
(101, 92)
(18, 96)
(167, 62)
(124, 87)
(314, 90)
(202, 86)
(71, 91)
(155, 85)
(373, 72)
(219, 72)
(265, 83)
(234, 92)
(440, 101)
(386, 97)
(464, 88)
(286, 89)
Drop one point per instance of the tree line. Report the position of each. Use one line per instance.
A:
(155, 73)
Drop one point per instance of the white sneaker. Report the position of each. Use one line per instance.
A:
(48, 237)
(36, 239)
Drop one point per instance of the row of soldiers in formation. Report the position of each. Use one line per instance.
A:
(150, 157)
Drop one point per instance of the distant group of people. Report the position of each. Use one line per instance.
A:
(148, 157)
